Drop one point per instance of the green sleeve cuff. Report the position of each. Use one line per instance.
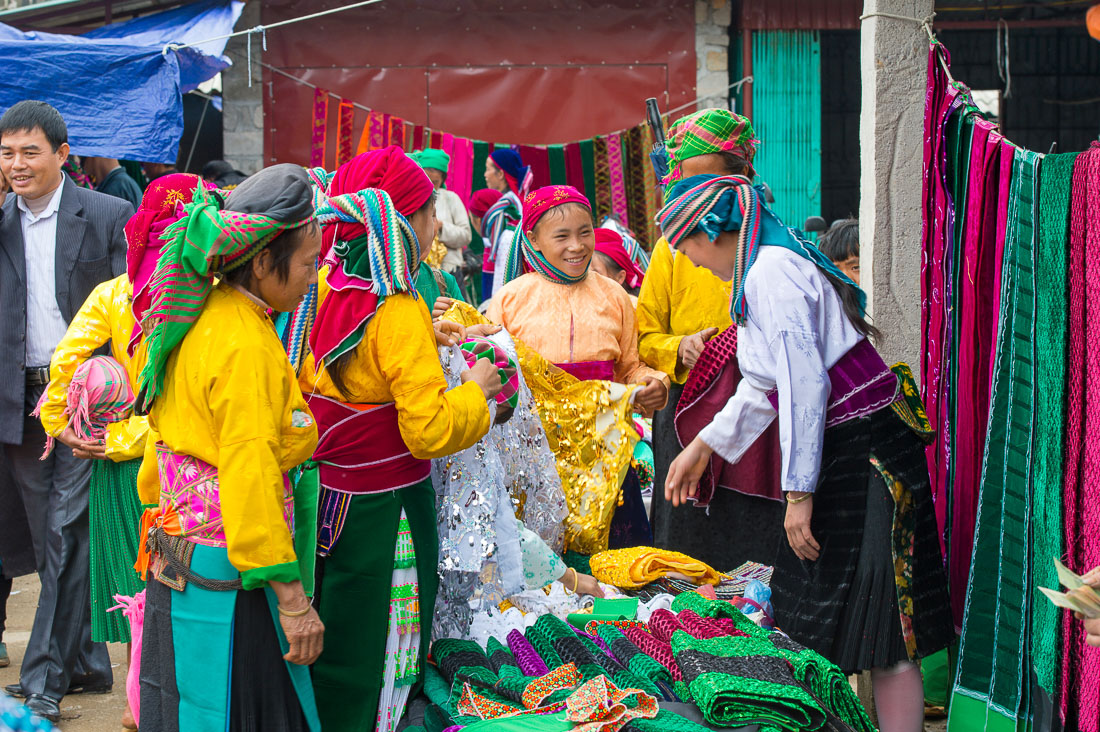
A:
(286, 572)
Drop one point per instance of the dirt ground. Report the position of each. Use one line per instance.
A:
(102, 712)
(79, 713)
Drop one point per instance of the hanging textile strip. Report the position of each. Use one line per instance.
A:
(477, 174)
(1056, 176)
(1007, 155)
(433, 139)
(462, 169)
(385, 131)
(320, 128)
(603, 178)
(992, 689)
(344, 129)
(557, 165)
(397, 132)
(1081, 688)
(653, 198)
(377, 135)
(634, 167)
(617, 177)
(977, 320)
(588, 165)
(364, 136)
(574, 168)
(539, 160)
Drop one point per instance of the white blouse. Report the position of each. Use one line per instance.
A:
(795, 332)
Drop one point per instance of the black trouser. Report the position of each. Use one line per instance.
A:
(55, 495)
(5, 593)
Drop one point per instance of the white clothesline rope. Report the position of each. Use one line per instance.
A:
(262, 29)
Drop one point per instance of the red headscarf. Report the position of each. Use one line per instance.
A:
(161, 206)
(483, 200)
(389, 169)
(611, 243)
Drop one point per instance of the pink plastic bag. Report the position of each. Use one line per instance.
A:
(134, 609)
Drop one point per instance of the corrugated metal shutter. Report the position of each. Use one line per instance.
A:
(786, 94)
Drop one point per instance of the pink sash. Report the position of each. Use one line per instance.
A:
(590, 370)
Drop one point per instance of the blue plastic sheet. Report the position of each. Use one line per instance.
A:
(119, 93)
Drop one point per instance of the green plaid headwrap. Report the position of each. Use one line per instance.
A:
(706, 132)
(205, 241)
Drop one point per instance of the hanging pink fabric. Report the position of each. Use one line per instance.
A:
(1081, 665)
(462, 169)
(618, 179)
(345, 120)
(134, 610)
(320, 128)
(397, 132)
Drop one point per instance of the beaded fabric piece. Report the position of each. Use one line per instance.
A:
(480, 491)
(588, 428)
(401, 665)
(600, 706)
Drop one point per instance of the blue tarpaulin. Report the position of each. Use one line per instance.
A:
(119, 93)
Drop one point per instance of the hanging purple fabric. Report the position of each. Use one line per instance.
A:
(574, 168)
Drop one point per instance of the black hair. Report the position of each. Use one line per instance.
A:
(849, 300)
(736, 164)
(29, 115)
(614, 268)
(841, 241)
(282, 248)
(339, 365)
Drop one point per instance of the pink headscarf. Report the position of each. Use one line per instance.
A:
(161, 206)
(611, 243)
(539, 201)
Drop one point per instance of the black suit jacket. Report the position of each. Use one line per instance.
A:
(90, 249)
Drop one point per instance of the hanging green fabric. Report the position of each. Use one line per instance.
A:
(1050, 381)
(588, 163)
(992, 690)
(557, 164)
(481, 154)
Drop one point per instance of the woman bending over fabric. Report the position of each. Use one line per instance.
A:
(229, 630)
(683, 322)
(384, 410)
(111, 316)
(861, 579)
(577, 319)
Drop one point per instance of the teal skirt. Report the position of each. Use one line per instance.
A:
(114, 517)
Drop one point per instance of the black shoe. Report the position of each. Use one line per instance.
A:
(88, 684)
(44, 707)
(78, 685)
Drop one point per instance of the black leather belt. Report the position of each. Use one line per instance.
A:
(38, 375)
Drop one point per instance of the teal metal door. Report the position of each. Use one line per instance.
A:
(786, 105)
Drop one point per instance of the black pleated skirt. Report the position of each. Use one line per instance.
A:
(845, 605)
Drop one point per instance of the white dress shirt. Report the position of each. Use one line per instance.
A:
(795, 332)
(456, 233)
(45, 325)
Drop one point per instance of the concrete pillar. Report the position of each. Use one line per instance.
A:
(893, 58)
(712, 51)
(243, 105)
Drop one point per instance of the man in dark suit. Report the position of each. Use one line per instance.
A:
(59, 241)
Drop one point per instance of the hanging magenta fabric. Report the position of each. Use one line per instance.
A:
(938, 225)
(344, 124)
(461, 174)
(977, 320)
(618, 180)
(320, 128)
(1081, 684)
